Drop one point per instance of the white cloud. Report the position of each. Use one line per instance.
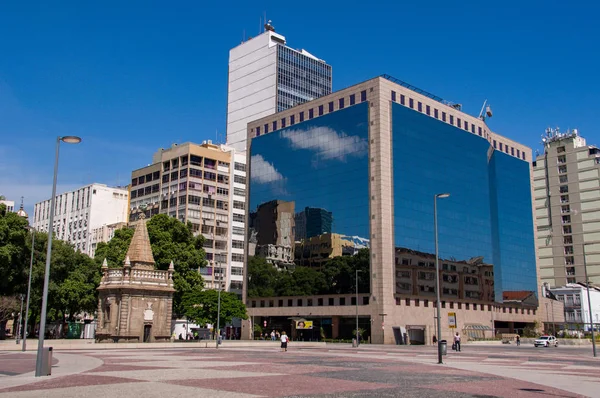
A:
(327, 143)
(264, 172)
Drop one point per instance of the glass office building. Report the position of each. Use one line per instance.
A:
(300, 78)
(375, 155)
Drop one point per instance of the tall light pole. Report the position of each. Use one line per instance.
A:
(40, 352)
(357, 335)
(587, 284)
(437, 273)
(18, 331)
(24, 346)
(218, 333)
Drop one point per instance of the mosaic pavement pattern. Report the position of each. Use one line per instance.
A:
(297, 373)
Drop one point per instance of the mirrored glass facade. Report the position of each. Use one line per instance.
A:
(300, 78)
(485, 226)
(315, 174)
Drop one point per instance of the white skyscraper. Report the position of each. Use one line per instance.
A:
(265, 77)
(78, 213)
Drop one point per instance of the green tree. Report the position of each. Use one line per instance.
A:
(171, 240)
(263, 278)
(201, 307)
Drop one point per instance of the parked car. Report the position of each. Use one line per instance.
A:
(546, 341)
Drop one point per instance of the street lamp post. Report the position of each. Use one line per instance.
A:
(18, 331)
(218, 332)
(40, 352)
(357, 335)
(437, 273)
(24, 346)
(587, 284)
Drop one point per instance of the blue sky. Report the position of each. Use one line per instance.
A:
(131, 78)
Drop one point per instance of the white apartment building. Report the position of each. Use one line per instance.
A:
(204, 185)
(265, 77)
(10, 205)
(577, 310)
(567, 201)
(78, 213)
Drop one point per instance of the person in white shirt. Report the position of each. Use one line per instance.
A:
(284, 341)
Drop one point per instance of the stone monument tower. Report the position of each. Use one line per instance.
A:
(135, 302)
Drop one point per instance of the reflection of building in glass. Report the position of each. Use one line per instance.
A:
(274, 225)
(204, 185)
(313, 222)
(471, 280)
(266, 76)
(567, 199)
(520, 298)
(364, 154)
(316, 250)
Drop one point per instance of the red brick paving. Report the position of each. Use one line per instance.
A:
(503, 388)
(276, 386)
(78, 380)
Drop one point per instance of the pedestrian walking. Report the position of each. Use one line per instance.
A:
(284, 341)
(457, 341)
(518, 340)
(272, 335)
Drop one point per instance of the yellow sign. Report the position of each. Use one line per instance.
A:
(452, 320)
(304, 325)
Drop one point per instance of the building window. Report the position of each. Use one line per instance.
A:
(341, 103)
(452, 120)
(472, 128)
(435, 113)
(562, 169)
(283, 123)
(479, 130)
(393, 96)
(564, 189)
(274, 125)
(443, 116)
(257, 131)
(402, 99)
(458, 122)
(494, 144)
(363, 96)
(301, 116)
(266, 128)
(560, 149)
(330, 106)
(411, 103)
(352, 99)
(500, 146)
(420, 106)
(466, 125)
(523, 153)
(518, 153)
(292, 120)
(320, 110)
(561, 159)
(427, 109)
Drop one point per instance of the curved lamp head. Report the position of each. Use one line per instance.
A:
(442, 195)
(70, 139)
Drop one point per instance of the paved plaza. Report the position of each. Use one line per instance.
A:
(329, 371)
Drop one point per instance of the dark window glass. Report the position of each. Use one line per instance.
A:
(352, 99)
(452, 120)
(363, 96)
(402, 99)
(257, 131)
(331, 106)
(443, 116)
(134, 182)
(394, 96)
(341, 103)
(420, 106)
(292, 120)
(283, 123)
(428, 109)
(411, 103)
(479, 129)
(301, 117)
(266, 128)
(320, 110)
(274, 125)
(311, 113)
(435, 113)
(494, 144)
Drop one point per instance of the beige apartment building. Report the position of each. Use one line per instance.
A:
(567, 209)
(203, 184)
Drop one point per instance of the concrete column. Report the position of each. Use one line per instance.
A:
(123, 324)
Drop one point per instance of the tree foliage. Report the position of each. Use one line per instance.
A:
(201, 307)
(73, 275)
(337, 276)
(171, 240)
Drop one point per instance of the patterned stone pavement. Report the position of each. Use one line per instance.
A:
(375, 371)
